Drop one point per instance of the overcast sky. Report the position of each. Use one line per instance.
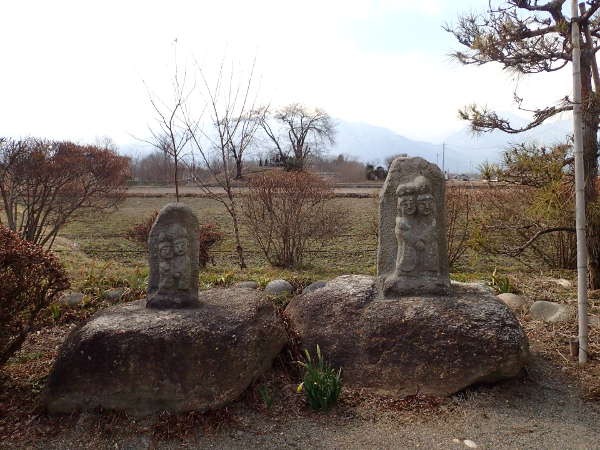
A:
(77, 69)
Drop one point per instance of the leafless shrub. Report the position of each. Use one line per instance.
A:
(208, 235)
(523, 220)
(288, 211)
(141, 231)
(458, 214)
(31, 278)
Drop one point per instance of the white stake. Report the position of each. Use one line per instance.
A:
(582, 256)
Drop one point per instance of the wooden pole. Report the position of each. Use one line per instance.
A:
(582, 256)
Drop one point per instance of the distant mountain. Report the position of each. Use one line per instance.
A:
(372, 144)
(474, 149)
(463, 151)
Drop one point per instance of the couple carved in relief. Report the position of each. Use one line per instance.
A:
(416, 229)
(173, 256)
(412, 257)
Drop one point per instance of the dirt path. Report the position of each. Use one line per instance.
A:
(522, 414)
(538, 411)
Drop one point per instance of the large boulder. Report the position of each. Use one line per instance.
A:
(434, 345)
(142, 361)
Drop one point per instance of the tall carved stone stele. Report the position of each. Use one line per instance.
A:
(412, 257)
(173, 259)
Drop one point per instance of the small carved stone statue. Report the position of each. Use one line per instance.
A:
(174, 266)
(173, 249)
(412, 254)
(415, 229)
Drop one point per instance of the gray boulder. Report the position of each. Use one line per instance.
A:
(143, 361)
(549, 311)
(279, 287)
(314, 286)
(434, 345)
(246, 284)
(513, 301)
(71, 298)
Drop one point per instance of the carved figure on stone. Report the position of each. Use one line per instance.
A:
(181, 260)
(174, 266)
(173, 248)
(415, 228)
(412, 254)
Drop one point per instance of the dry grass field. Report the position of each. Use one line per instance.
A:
(104, 240)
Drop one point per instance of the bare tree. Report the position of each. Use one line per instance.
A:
(231, 111)
(44, 184)
(169, 135)
(156, 167)
(240, 132)
(530, 37)
(297, 132)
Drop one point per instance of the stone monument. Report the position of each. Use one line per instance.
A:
(412, 254)
(173, 258)
(165, 352)
(412, 330)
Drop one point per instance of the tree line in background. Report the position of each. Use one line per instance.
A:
(157, 169)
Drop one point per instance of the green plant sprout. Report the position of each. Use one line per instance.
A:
(321, 383)
(501, 284)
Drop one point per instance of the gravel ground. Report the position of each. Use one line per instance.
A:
(541, 410)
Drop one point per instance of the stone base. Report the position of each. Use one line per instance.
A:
(161, 300)
(434, 345)
(143, 361)
(401, 286)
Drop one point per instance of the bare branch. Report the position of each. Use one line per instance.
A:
(518, 250)
(483, 120)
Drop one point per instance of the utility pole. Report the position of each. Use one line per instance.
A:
(582, 255)
(444, 159)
